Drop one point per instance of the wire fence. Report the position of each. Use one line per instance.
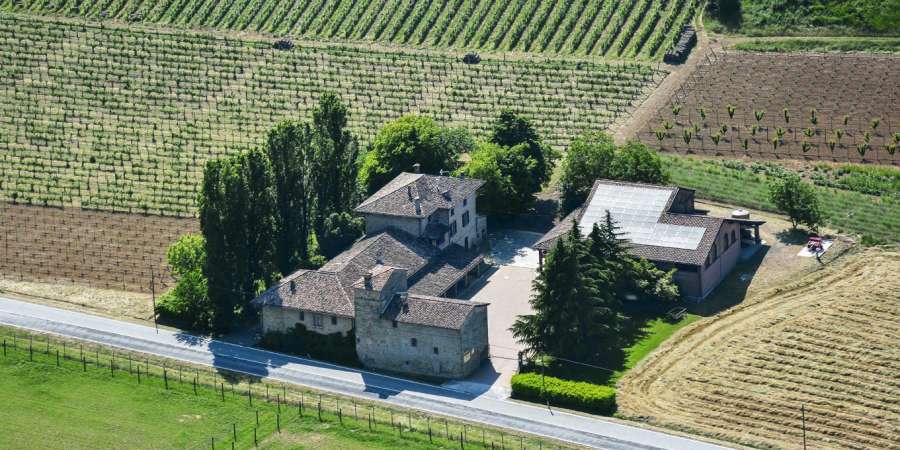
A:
(274, 408)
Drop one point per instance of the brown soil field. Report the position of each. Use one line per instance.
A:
(825, 346)
(97, 249)
(853, 87)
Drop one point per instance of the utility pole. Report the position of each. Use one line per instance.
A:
(153, 297)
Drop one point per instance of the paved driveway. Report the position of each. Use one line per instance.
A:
(507, 288)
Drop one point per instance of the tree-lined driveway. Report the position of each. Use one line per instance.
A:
(582, 430)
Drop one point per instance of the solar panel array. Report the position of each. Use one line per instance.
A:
(636, 210)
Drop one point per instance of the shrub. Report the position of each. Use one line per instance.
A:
(327, 347)
(570, 394)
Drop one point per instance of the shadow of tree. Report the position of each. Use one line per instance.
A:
(792, 236)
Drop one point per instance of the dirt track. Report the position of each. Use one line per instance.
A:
(829, 342)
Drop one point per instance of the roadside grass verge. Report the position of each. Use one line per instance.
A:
(821, 45)
(70, 394)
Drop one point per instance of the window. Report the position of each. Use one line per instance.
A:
(302, 316)
(452, 228)
(706, 264)
(465, 218)
(334, 320)
(394, 323)
(452, 211)
(317, 321)
(733, 236)
(714, 252)
(436, 351)
(414, 342)
(465, 201)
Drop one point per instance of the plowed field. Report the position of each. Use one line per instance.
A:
(826, 346)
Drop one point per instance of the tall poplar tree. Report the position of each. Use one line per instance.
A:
(335, 166)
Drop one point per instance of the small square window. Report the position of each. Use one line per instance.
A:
(452, 212)
(465, 201)
(414, 342)
(436, 351)
(317, 321)
(302, 316)
(334, 320)
(394, 323)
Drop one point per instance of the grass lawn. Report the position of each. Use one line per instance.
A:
(70, 407)
(830, 44)
(655, 332)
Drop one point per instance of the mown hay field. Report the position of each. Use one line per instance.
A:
(824, 347)
(635, 29)
(123, 120)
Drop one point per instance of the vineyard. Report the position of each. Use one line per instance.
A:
(104, 250)
(120, 120)
(635, 29)
(799, 106)
(821, 352)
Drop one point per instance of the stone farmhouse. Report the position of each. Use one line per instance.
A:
(661, 225)
(394, 287)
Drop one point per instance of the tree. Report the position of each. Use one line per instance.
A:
(635, 162)
(410, 140)
(188, 301)
(508, 177)
(340, 230)
(290, 151)
(588, 158)
(238, 218)
(797, 199)
(335, 166)
(511, 129)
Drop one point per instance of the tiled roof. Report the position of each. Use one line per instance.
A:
(315, 291)
(397, 198)
(695, 256)
(430, 311)
(329, 289)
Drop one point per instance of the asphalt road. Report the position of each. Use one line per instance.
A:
(588, 431)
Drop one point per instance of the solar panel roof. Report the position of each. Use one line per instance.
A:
(637, 210)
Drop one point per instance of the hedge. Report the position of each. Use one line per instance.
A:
(570, 394)
(334, 347)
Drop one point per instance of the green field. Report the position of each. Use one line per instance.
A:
(123, 120)
(805, 18)
(50, 396)
(829, 45)
(736, 183)
(634, 29)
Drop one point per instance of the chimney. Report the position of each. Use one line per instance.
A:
(403, 296)
(441, 172)
(418, 203)
(417, 167)
(367, 280)
(409, 191)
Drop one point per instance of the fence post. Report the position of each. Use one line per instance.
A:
(278, 422)
(461, 444)
(139, 374)
(30, 349)
(223, 391)
(249, 396)
(340, 416)
(320, 410)
(4, 346)
(234, 431)
(254, 437)
(57, 358)
(212, 443)
(430, 441)
(83, 363)
(195, 383)
(166, 378)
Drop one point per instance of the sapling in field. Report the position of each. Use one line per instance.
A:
(667, 125)
(775, 142)
(731, 110)
(875, 122)
(753, 130)
(759, 114)
(867, 137)
(780, 132)
(838, 133)
(716, 138)
(676, 108)
(724, 128)
(809, 132)
(846, 119)
(862, 148)
(696, 127)
(660, 135)
(745, 143)
(787, 115)
(686, 135)
(896, 137)
(831, 145)
(702, 112)
(805, 146)
(813, 119)
(891, 148)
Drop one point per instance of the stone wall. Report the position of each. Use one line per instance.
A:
(280, 319)
(475, 340)
(376, 223)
